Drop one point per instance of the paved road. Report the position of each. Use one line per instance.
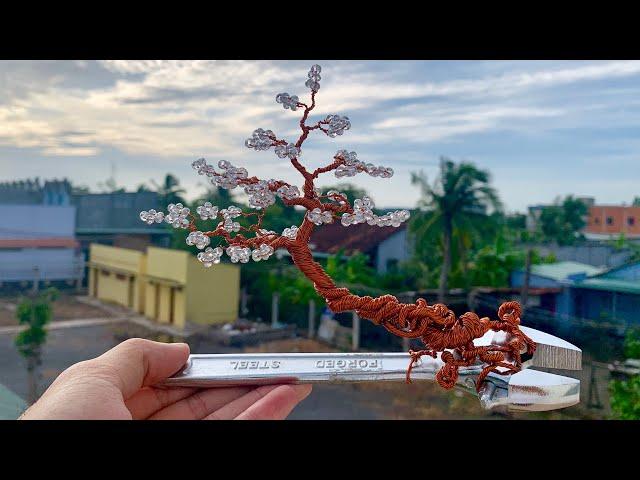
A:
(67, 346)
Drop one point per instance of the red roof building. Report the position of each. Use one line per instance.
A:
(606, 221)
(385, 246)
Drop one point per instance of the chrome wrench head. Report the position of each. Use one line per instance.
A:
(533, 390)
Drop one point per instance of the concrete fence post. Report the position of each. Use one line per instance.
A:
(275, 301)
(312, 319)
(36, 279)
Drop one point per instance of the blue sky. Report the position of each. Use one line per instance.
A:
(542, 128)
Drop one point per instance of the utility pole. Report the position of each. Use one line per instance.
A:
(524, 295)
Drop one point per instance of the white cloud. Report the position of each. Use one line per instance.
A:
(186, 109)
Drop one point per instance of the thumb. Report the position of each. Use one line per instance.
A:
(137, 362)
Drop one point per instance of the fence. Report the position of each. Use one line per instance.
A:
(42, 270)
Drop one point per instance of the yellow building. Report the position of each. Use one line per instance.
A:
(169, 286)
(116, 275)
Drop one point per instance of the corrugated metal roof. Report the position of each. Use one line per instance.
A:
(11, 405)
(561, 270)
(610, 285)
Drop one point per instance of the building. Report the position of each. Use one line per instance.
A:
(385, 246)
(613, 295)
(113, 219)
(585, 292)
(37, 244)
(116, 275)
(611, 221)
(550, 279)
(105, 218)
(167, 286)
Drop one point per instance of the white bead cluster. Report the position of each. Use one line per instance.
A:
(393, 219)
(229, 179)
(238, 253)
(207, 211)
(363, 212)
(290, 233)
(260, 140)
(352, 166)
(229, 214)
(259, 194)
(210, 256)
(333, 195)
(202, 167)
(288, 192)
(262, 232)
(337, 125)
(314, 78)
(199, 239)
(382, 172)
(319, 217)
(288, 101)
(151, 217)
(177, 216)
(263, 252)
(290, 150)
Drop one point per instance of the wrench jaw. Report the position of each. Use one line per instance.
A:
(536, 391)
(528, 391)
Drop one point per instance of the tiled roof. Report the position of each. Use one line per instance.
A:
(364, 238)
(45, 242)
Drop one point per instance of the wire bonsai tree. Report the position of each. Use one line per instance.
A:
(436, 325)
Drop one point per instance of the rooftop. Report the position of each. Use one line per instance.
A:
(362, 237)
(562, 270)
(610, 285)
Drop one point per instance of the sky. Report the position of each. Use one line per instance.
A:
(542, 128)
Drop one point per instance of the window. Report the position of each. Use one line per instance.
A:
(596, 221)
(631, 221)
(609, 220)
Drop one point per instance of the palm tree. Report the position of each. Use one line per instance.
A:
(170, 190)
(457, 200)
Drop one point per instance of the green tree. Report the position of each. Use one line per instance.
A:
(456, 202)
(35, 313)
(563, 221)
(632, 343)
(625, 394)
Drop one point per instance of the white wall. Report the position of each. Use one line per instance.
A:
(23, 222)
(394, 247)
(51, 264)
(33, 221)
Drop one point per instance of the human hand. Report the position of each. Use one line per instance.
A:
(118, 386)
